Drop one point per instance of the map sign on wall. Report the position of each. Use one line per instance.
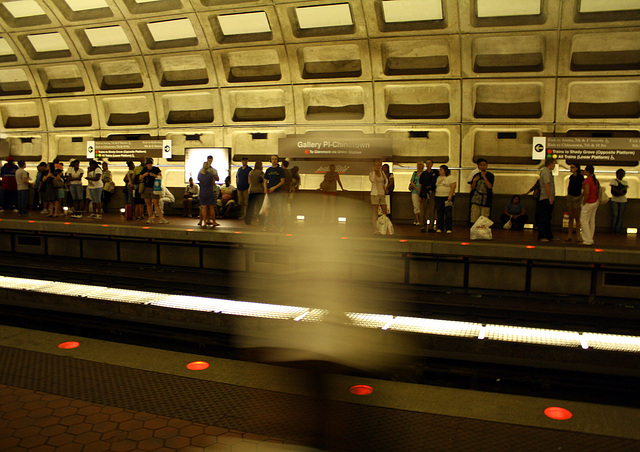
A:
(351, 152)
(596, 150)
(129, 150)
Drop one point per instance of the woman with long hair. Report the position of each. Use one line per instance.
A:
(445, 191)
(574, 200)
(590, 203)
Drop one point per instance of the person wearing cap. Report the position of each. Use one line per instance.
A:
(242, 185)
(9, 185)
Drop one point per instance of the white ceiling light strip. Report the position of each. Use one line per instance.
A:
(539, 336)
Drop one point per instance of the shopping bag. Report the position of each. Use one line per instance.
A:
(481, 229)
(507, 225)
(265, 205)
(385, 227)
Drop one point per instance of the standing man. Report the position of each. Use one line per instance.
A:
(482, 189)
(242, 184)
(274, 178)
(9, 186)
(23, 183)
(74, 177)
(94, 176)
(547, 198)
(427, 190)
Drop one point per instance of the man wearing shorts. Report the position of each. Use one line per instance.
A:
(148, 176)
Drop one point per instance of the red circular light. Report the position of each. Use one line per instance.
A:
(344, 238)
(32, 221)
(105, 225)
(598, 250)
(361, 390)
(198, 365)
(189, 230)
(237, 232)
(69, 345)
(66, 222)
(403, 240)
(530, 247)
(289, 235)
(557, 413)
(465, 243)
(146, 227)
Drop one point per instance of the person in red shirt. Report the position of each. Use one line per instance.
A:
(590, 189)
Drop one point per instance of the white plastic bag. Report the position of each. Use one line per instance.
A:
(265, 205)
(481, 229)
(507, 225)
(385, 227)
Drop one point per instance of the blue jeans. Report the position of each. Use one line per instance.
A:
(617, 215)
(23, 201)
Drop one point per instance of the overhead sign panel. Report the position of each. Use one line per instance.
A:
(352, 153)
(130, 150)
(586, 149)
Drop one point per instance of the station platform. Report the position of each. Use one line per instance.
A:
(104, 395)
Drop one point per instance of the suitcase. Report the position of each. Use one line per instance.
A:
(128, 211)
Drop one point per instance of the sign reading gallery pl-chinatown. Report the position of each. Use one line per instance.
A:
(350, 152)
(587, 149)
(131, 150)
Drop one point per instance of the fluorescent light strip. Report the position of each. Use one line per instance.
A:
(541, 336)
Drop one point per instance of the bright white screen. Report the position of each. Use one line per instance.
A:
(194, 159)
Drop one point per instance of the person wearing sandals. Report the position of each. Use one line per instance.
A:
(208, 195)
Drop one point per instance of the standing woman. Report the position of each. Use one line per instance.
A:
(574, 200)
(207, 179)
(256, 193)
(109, 187)
(51, 202)
(379, 182)
(415, 196)
(590, 188)
(330, 191)
(619, 189)
(445, 191)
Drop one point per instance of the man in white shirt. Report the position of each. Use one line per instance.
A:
(94, 176)
(167, 196)
(22, 180)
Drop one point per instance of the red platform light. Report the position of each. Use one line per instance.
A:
(598, 250)
(557, 413)
(69, 345)
(189, 230)
(198, 365)
(289, 235)
(31, 221)
(237, 232)
(344, 238)
(105, 225)
(465, 243)
(403, 240)
(361, 390)
(66, 222)
(530, 247)
(146, 227)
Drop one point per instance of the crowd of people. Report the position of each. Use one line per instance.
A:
(264, 195)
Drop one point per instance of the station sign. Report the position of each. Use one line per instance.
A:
(129, 150)
(587, 149)
(350, 152)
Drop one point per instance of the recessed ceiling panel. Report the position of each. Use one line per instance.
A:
(324, 16)
(24, 8)
(397, 11)
(5, 48)
(500, 8)
(598, 6)
(48, 42)
(86, 5)
(242, 24)
(107, 36)
(171, 30)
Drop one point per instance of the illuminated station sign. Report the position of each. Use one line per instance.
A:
(587, 149)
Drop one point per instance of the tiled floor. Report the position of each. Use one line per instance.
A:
(39, 422)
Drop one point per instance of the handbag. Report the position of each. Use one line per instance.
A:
(58, 183)
(157, 186)
(109, 187)
(602, 195)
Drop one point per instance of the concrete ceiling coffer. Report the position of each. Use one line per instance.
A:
(146, 7)
(14, 82)
(508, 100)
(258, 105)
(606, 51)
(188, 108)
(332, 61)
(604, 99)
(65, 78)
(428, 101)
(181, 70)
(508, 53)
(23, 14)
(127, 111)
(75, 14)
(252, 65)
(123, 74)
(407, 58)
(71, 112)
(20, 115)
(410, 15)
(43, 46)
(334, 103)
